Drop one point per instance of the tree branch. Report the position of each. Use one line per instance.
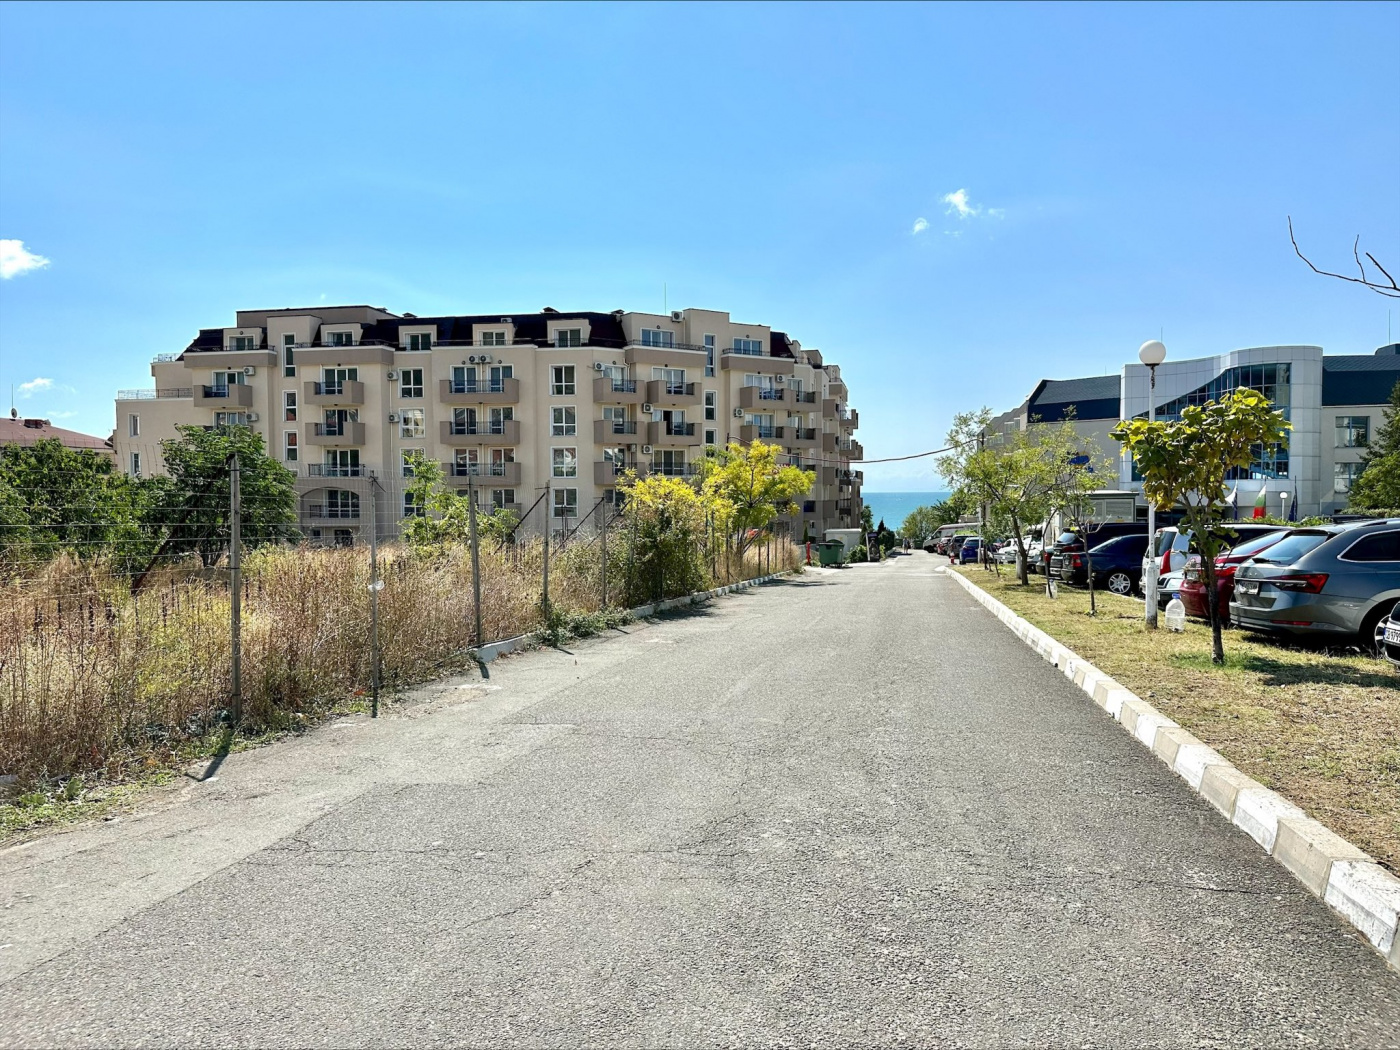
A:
(1390, 291)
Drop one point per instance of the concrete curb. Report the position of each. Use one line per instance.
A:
(487, 653)
(1351, 882)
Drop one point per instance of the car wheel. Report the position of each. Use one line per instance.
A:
(1120, 583)
(1373, 632)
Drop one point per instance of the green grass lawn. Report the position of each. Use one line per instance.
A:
(1322, 729)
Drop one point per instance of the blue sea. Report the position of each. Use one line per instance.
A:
(894, 507)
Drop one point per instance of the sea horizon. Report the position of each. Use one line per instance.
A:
(895, 505)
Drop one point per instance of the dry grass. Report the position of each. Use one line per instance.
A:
(100, 685)
(1322, 729)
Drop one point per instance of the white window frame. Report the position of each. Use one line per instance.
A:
(564, 506)
(406, 384)
(133, 425)
(413, 423)
(712, 437)
(419, 342)
(709, 355)
(568, 337)
(658, 337)
(563, 421)
(493, 338)
(291, 446)
(711, 406)
(289, 343)
(563, 381)
(289, 406)
(406, 460)
(563, 461)
(136, 464)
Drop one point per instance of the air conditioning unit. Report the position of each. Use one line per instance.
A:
(393, 417)
(646, 450)
(485, 359)
(632, 447)
(249, 370)
(647, 407)
(507, 320)
(676, 315)
(252, 417)
(738, 413)
(780, 380)
(472, 358)
(392, 374)
(597, 366)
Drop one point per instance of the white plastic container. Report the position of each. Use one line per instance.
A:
(1176, 615)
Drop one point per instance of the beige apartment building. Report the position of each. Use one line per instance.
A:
(539, 412)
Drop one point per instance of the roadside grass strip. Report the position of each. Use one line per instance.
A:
(1347, 878)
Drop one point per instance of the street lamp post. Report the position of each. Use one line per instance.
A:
(1152, 353)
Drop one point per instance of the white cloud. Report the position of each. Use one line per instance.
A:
(35, 386)
(920, 225)
(15, 259)
(959, 205)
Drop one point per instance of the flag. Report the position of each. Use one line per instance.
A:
(1233, 501)
(1293, 504)
(1261, 501)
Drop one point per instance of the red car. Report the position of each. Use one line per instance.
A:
(1193, 587)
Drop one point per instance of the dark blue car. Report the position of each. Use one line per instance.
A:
(967, 555)
(1117, 564)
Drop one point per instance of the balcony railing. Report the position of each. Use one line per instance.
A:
(619, 386)
(476, 386)
(334, 470)
(481, 470)
(676, 470)
(473, 429)
(160, 393)
(333, 511)
(677, 429)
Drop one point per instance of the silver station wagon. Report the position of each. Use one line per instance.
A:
(1334, 581)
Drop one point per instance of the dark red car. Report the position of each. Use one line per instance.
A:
(1193, 587)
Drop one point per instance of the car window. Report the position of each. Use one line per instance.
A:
(1258, 543)
(1067, 537)
(1292, 547)
(1379, 546)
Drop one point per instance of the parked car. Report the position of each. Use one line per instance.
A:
(967, 553)
(1388, 636)
(1071, 541)
(1193, 586)
(1116, 564)
(1176, 544)
(1334, 581)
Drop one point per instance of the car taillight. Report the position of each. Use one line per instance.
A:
(1224, 572)
(1078, 561)
(1307, 582)
(1166, 561)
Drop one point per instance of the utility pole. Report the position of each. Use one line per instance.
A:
(982, 507)
(235, 583)
(548, 511)
(476, 555)
(1152, 353)
(605, 556)
(375, 586)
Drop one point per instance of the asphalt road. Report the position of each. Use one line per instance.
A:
(849, 810)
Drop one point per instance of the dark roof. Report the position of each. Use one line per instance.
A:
(23, 431)
(1094, 397)
(779, 344)
(1360, 379)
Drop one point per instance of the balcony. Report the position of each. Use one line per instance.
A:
(608, 471)
(852, 421)
(610, 391)
(830, 409)
(805, 397)
(828, 443)
(163, 394)
(759, 397)
(339, 392)
(750, 432)
(235, 395)
(671, 434)
(760, 363)
(346, 433)
(664, 394)
(676, 470)
(484, 475)
(801, 437)
(479, 391)
(826, 476)
(681, 355)
(500, 432)
(853, 450)
(333, 512)
(332, 470)
(614, 431)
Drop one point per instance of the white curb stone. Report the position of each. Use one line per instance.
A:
(1348, 879)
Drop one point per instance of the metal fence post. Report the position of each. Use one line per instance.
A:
(374, 586)
(476, 556)
(548, 511)
(235, 573)
(605, 558)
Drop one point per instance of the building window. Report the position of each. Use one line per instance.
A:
(342, 504)
(242, 342)
(420, 341)
(563, 421)
(412, 508)
(342, 339)
(1353, 431)
(561, 380)
(564, 463)
(493, 339)
(657, 337)
(568, 337)
(566, 503)
(136, 464)
(289, 368)
(289, 406)
(133, 425)
(1344, 476)
(411, 382)
(752, 347)
(709, 355)
(230, 419)
(712, 437)
(502, 498)
(289, 446)
(412, 423)
(409, 458)
(711, 404)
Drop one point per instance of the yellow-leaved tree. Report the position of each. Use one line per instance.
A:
(745, 488)
(665, 520)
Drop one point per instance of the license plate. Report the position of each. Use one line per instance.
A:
(1246, 587)
(1392, 634)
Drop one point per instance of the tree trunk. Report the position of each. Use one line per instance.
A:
(1023, 569)
(1217, 644)
(1089, 575)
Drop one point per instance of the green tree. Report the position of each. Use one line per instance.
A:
(665, 519)
(921, 523)
(1186, 461)
(745, 489)
(444, 515)
(55, 499)
(1021, 476)
(867, 521)
(1378, 486)
(194, 504)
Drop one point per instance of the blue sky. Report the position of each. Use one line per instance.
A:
(1089, 176)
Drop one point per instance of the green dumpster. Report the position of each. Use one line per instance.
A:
(830, 552)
